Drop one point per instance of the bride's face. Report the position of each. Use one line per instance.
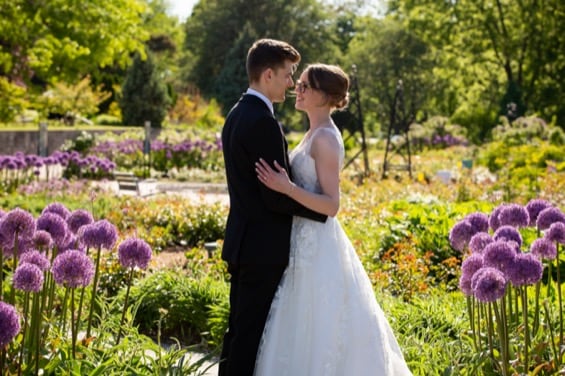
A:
(307, 97)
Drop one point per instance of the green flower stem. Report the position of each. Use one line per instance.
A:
(38, 318)
(490, 330)
(34, 322)
(549, 279)
(130, 276)
(63, 319)
(526, 329)
(24, 332)
(470, 311)
(559, 298)
(94, 287)
(535, 325)
(500, 323)
(80, 303)
(1, 276)
(12, 299)
(74, 324)
(556, 357)
(49, 286)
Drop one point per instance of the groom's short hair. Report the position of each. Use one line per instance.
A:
(269, 53)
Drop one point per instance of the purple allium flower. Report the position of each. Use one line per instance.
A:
(461, 234)
(2, 213)
(55, 225)
(479, 241)
(514, 215)
(37, 258)
(17, 221)
(507, 233)
(73, 269)
(494, 220)
(556, 232)
(78, 218)
(488, 284)
(98, 234)
(9, 324)
(534, 207)
(468, 268)
(527, 270)
(57, 208)
(28, 277)
(548, 216)
(42, 240)
(544, 249)
(500, 255)
(479, 221)
(23, 244)
(134, 252)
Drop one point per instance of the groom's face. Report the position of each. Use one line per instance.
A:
(281, 81)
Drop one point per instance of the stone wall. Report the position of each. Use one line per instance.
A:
(28, 141)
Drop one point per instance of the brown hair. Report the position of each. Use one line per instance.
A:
(332, 81)
(269, 53)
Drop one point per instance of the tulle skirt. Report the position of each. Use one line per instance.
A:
(325, 319)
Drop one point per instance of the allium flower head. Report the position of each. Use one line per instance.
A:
(548, 216)
(17, 221)
(488, 284)
(9, 324)
(479, 221)
(556, 232)
(507, 233)
(461, 234)
(468, 268)
(134, 252)
(514, 215)
(57, 208)
(527, 270)
(42, 240)
(493, 219)
(28, 277)
(479, 241)
(23, 245)
(72, 269)
(499, 255)
(534, 207)
(98, 234)
(37, 258)
(78, 218)
(543, 248)
(55, 225)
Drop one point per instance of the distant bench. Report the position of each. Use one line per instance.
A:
(127, 181)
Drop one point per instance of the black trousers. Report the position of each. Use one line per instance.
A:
(251, 292)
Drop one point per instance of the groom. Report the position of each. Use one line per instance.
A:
(257, 240)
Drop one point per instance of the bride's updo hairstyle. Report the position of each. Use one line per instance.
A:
(332, 81)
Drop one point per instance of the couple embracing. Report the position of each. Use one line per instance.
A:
(301, 303)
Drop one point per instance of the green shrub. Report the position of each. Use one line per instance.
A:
(183, 305)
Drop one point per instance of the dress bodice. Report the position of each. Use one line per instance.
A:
(303, 165)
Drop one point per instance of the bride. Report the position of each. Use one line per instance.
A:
(324, 319)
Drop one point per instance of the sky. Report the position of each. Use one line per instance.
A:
(181, 8)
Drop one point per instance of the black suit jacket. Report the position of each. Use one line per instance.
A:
(259, 221)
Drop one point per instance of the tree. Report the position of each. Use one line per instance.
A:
(385, 54)
(44, 42)
(218, 30)
(515, 42)
(144, 95)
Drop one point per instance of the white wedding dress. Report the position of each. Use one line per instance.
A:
(325, 320)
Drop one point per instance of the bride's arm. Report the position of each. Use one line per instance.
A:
(325, 152)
